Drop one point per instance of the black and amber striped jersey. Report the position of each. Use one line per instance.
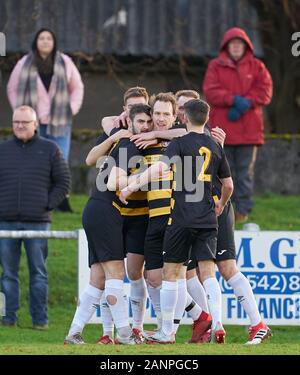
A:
(158, 191)
(199, 159)
(137, 202)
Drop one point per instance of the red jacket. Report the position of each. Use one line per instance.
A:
(249, 78)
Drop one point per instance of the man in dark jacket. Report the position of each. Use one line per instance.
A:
(237, 86)
(34, 179)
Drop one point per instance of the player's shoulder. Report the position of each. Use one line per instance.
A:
(130, 146)
(207, 138)
(193, 136)
(208, 142)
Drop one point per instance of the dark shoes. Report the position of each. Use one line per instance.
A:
(8, 324)
(40, 327)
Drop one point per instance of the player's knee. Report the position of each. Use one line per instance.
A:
(98, 281)
(206, 275)
(169, 275)
(227, 269)
(191, 273)
(111, 300)
(182, 273)
(206, 270)
(134, 274)
(118, 274)
(99, 284)
(153, 281)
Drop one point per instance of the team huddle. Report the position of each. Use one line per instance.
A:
(162, 201)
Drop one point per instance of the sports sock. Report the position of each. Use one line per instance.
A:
(197, 292)
(181, 303)
(243, 291)
(87, 304)
(154, 294)
(138, 296)
(106, 317)
(168, 298)
(192, 308)
(214, 299)
(119, 310)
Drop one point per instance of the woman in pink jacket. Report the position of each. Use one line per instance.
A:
(237, 85)
(48, 81)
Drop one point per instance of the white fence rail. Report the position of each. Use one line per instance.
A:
(56, 234)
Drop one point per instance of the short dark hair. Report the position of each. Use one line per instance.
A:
(188, 94)
(136, 92)
(164, 97)
(139, 108)
(197, 111)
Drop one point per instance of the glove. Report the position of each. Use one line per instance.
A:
(233, 114)
(241, 104)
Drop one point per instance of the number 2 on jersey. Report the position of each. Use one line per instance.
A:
(207, 157)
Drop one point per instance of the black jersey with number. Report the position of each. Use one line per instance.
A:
(199, 159)
(217, 184)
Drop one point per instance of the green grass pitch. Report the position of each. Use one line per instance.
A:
(272, 212)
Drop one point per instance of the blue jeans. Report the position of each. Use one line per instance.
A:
(10, 255)
(63, 142)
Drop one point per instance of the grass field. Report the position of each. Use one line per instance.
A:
(271, 212)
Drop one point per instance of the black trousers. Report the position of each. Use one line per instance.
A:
(242, 161)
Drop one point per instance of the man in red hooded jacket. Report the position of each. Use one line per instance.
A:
(237, 86)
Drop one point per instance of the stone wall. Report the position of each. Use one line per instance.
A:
(277, 167)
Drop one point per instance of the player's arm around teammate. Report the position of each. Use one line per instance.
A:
(103, 148)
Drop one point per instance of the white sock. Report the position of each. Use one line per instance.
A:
(197, 292)
(181, 303)
(154, 294)
(138, 296)
(106, 317)
(214, 299)
(125, 331)
(192, 308)
(126, 304)
(168, 298)
(87, 304)
(245, 296)
(119, 310)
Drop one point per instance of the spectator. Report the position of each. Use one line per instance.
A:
(34, 179)
(48, 81)
(237, 86)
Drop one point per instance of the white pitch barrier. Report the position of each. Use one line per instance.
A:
(269, 259)
(50, 234)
